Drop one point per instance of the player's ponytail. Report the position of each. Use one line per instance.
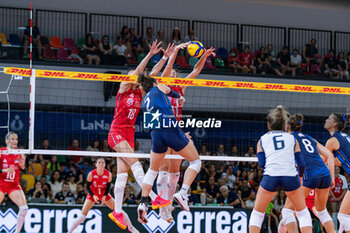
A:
(146, 82)
(278, 117)
(296, 122)
(341, 120)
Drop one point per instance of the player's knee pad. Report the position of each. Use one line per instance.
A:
(256, 218)
(323, 216)
(23, 210)
(304, 218)
(344, 219)
(137, 170)
(174, 178)
(288, 216)
(150, 177)
(196, 165)
(121, 180)
(163, 177)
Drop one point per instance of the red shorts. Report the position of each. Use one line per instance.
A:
(310, 203)
(116, 136)
(108, 197)
(9, 187)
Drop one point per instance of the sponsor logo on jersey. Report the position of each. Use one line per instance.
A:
(96, 177)
(8, 221)
(104, 183)
(5, 161)
(104, 177)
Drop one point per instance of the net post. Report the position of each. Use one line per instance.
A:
(31, 111)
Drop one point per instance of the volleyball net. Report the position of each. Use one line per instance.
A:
(69, 107)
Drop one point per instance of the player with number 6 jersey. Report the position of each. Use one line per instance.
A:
(316, 177)
(10, 166)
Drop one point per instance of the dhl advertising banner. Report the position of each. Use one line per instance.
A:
(48, 218)
(182, 81)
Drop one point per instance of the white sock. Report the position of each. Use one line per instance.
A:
(119, 191)
(139, 174)
(184, 189)
(77, 222)
(162, 181)
(21, 216)
(341, 229)
(172, 183)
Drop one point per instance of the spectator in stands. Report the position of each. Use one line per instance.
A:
(90, 50)
(106, 51)
(250, 202)
(233, 60)
(135, 42)
(210, 192)
(190, 36)
(161, 38)
(55, 183)
(283, 59)
(75, 146)
(43, 159)
(82, 193)
(53, 165)
(310, 55)
(35, 39)
(129, 195)
(105, 146)
(148, 39)
(221, 150)
(343, 66)
(271, 56)
(331, 65)
(279, 202)
(204, 150)
(211, 171)
(227, 198)
(120, 51)
(250, 152)
(37, 193)
(43, 180)
(79, 172)
(95, 146)
(245, 190)
(234, 151)
(176, 36)
(125, 34)
(229, 177)
(64, 196)
(270, 215)
(263, 63)
(72, 184)
(295, 60)
(246, 62)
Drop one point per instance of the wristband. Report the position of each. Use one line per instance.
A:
(174, 94)
(164, 58)
(0, 170)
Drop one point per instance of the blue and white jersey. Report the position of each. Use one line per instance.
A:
(343, 153)
(278, 147)
(157, 106)
(315, 167)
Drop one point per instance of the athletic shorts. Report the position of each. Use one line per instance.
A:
(273, 183)
(108, 197)
(310, 203)
(322, 182)
(116, 136)
(174, 138)
(9, 187)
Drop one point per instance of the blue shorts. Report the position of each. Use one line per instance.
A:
(174, 138)
(273, 183)
(322, 182)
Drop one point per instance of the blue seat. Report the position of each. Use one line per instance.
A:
(14, 39)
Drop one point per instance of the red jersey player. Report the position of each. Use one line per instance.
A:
(10, 165)
(121, 139)
(98, 186)
(169, 172)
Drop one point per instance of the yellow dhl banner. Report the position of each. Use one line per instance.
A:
(181, 81)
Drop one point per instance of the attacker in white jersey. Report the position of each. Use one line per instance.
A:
(277, 153)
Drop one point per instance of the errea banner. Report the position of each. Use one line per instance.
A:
(47, 218)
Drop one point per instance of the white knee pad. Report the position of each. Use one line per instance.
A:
(288, 216)
(344, 220)
(137, 170)
(304, 218)
(256, 218)
(150, 177)
(323, 216)
(23, 210)
(121, 180)
(163, 177)
(196, 165)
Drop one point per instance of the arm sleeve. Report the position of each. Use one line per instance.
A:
(108, 189)
(301, 163)
(88, 184)
(174, 94)
(261, 159)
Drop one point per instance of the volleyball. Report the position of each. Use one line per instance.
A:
(195, 49)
